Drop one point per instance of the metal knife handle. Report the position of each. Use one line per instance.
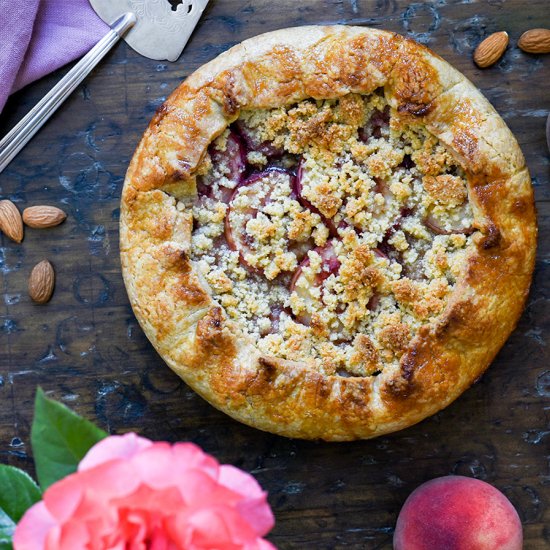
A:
(20, 135)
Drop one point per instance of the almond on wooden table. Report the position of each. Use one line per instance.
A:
(10, 221)
(535, 41)
(42, 216)
(491, 49)
(42, 282)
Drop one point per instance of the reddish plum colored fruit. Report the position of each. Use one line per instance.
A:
(457, 513)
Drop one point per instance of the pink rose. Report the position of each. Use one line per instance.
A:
(132, 494)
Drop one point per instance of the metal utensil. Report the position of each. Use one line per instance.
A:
(163, 28)
(151, 27)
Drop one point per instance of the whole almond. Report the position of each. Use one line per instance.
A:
(43, 216)
(42, 282)
(10, 221)
(535, 41)
(491, 49)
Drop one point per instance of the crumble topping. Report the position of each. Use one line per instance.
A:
(330, 231)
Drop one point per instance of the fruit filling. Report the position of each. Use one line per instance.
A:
(330, 231)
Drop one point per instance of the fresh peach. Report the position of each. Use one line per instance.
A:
(457, 513)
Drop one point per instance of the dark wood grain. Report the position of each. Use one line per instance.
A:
(86, 349)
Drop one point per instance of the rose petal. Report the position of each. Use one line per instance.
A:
(181, 465)
(102, 483)
(161, 541)
(130, 493)
(33, 528)
(261, 544)
(73, 535)
(217, 526)
(150, 501)
(254, 507)
(110, 448)
(199, 489)
(258, 514)
(194, 457)
(63, 497)
(239, 481)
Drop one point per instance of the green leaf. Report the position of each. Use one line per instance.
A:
(60, 439)
(7, 528)
(18, 492)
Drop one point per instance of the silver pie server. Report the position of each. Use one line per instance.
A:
(158, 29)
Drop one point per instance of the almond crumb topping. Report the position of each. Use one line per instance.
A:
(331, 231)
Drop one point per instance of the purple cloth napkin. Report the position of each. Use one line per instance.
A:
(39, 36)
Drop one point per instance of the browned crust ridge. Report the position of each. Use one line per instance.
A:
(189, 329)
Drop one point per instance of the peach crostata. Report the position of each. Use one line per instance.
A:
(328, 232)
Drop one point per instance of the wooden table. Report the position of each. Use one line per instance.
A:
(86, 349)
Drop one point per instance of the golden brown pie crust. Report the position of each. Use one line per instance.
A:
(189, 329)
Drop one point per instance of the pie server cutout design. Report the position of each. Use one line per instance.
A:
(162, 28)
